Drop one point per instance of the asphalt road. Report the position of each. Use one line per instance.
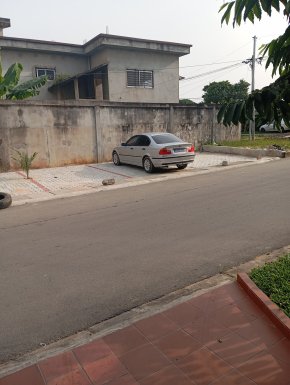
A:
(68, 264)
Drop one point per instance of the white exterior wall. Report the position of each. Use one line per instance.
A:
(64, 64)
(165, 71)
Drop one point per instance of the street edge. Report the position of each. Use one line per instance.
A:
(277, 316)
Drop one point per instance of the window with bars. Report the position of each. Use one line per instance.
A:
(140, 78)
(49, 72)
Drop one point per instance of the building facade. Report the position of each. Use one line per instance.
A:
(108, 67)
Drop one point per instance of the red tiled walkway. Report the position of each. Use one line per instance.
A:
(218, 338)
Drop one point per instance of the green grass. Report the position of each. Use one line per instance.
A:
(259, 142)
(274, 280)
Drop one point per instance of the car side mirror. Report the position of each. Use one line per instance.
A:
(123, 144)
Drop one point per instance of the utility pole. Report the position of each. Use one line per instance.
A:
(253, 65)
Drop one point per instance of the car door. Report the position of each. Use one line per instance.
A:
(141, 149)
(127, 152)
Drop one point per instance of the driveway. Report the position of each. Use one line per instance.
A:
(50, 183)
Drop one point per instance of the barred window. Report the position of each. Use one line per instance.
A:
(140, 78)
(49, 72)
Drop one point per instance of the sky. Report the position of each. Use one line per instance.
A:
(195, 22)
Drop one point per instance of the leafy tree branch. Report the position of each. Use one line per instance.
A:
(271, 102)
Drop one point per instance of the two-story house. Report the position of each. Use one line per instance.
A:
(108, 67)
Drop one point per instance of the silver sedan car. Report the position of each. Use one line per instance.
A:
(154, 150)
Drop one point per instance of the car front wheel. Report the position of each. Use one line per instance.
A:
(181, 166)
(148, 165)
(116, 159)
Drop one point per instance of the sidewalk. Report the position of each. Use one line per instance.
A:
(51, 183)
(217, 338)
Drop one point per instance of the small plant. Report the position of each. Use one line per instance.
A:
(24, 161)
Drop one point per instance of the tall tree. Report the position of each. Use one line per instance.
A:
(10, 87)
(273, 101)
(225, 92)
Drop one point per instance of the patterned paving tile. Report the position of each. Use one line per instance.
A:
(85, 177)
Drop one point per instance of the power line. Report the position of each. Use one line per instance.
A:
(192, 88)
(212, 72)
(215, 63)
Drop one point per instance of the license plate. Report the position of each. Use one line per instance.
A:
(179, 150)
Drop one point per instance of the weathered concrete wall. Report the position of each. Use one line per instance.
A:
(198, 125)
(59, 134)
(72, 132)
(117, 123)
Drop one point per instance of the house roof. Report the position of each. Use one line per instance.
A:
(92, 71)
(100, 41)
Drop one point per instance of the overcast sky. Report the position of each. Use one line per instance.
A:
(195, 22)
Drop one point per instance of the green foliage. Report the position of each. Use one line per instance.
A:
(252, 9)
(225, 92)
(274, 280)
(27, 89)
(186, 102)
(10, 79)
(271, 102)
(10, 89)
(24, 161)
(278, 51)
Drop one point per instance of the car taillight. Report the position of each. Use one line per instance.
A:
(164, 151)
(190, 149)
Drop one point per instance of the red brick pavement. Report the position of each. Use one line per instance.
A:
(218, 338)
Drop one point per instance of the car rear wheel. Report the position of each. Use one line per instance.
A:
(148, 165)
(181, 166)
(263, 130)
(116, 159)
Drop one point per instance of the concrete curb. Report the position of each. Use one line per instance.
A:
(252, 152)
(267, 306)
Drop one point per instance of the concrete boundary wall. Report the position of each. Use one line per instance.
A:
(77, 132)
(254, 152)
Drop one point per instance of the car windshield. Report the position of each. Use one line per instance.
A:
(165, 138)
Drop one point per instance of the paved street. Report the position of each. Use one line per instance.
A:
(67, 264)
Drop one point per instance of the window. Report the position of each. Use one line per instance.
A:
(143, 141)
(166, 138)
(140, 78)
(133, 141)
(49, 72)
